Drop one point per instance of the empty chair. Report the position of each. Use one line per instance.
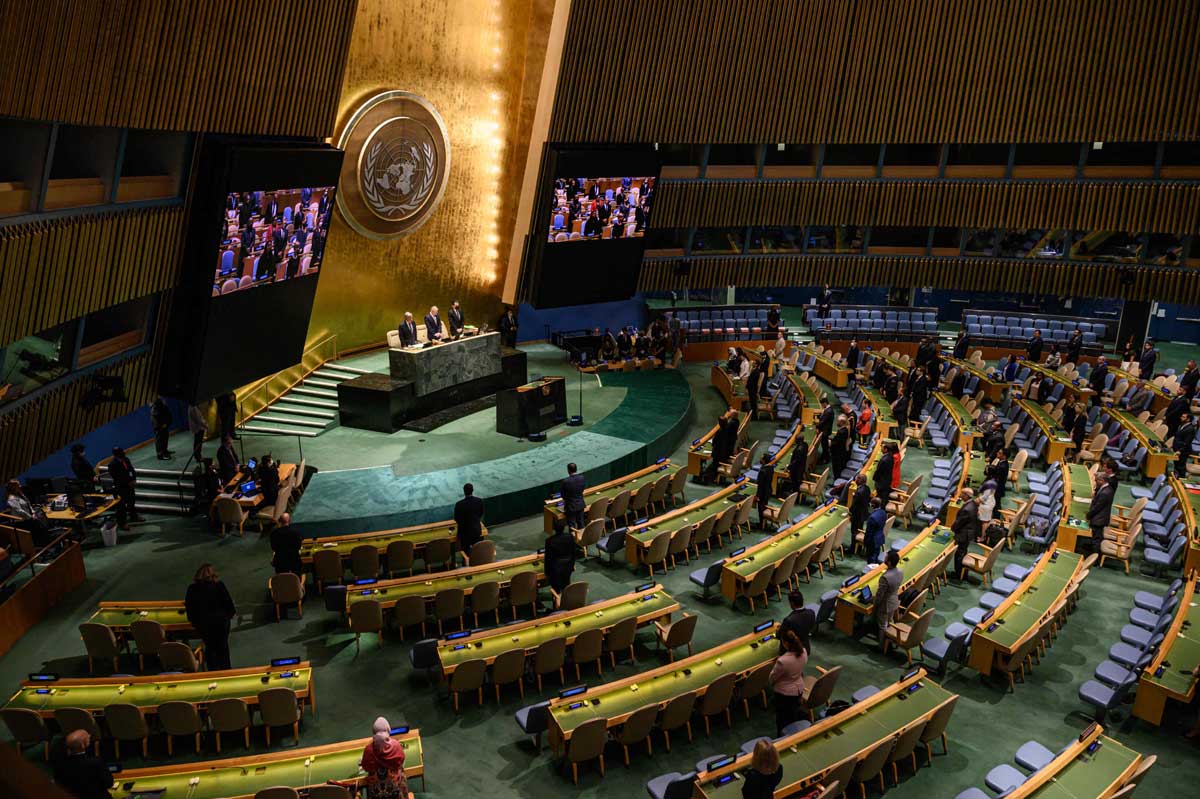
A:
(99, 641)
(936, 728)
(656, 553)
(870, 765)
(438, 553)
(287, 589)
(278, 707)
(509, 668)
(619, 638)
(636, 730)
(573, 596)
(550, 656)
(27, 729)
(676, 714)
(449, 603)
(587, 743)
(366, 616)
(1004, 778)
(400, 556)
(485, 598)
(905, 749)
(818, 690)
(364, 562)
(909, 636)
(482, 553)
(467, 677)
(522, 591)
(717, 699)
(126, 722)
(755, 685)
(179, 718)
(410, 610)
(177, 656)
(588, 648)
(676, 634)
(327, 566)
(148, 636)
(1033, 756)
(229, 715)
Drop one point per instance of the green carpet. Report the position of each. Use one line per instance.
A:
(482, 752)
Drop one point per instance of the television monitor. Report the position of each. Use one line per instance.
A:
(272, 235)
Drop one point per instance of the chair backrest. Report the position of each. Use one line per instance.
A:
(400, 555)
(148, 636)
(177, 656)
(659, 491)
(677, 712)
(823, 688)
(588, 740)
(718, 695)
(679, 480)
(785, 569)
(468, 675)
(508, 666)
(438, 552)
(482, 553)
(328, 791)
(621, 635)
(522, 589)
(641, 499)
(98, 640)
(1144, 765)
(485, 597)
(327, 564)
(228, 715)
(179, 718)
(756, 681)
(574, 596)
(278, 706)
(449, 603)
(759, 582)
(364, 561)
(939, 720)
(620, 504)
(841, 774)
(681, 631)
(69, 719)
(286, 588)
(25, 725)
(873, 761)
(125, 721)
(277, 792)
(588, 646)
(366, 616)
(658, 548)
(906, 742)
(550, 655)
(598, 508)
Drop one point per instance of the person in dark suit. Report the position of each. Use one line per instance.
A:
(124, 478)
(918, 390)
(325, 204)
(900, 409)
(407, 330)
(433, 324)
(508, 328)
(874, 537)
(268, 480)
(293, 264)
(285, 546)
(799, 623)
(752, 388)
(640, 216)
(924, 353)
(1011, 367)
(825, 427)
(882, 478)
(468, 518)
(839, 447)
(723, 442)
(961, 344)
(1100, 511)
(1033, 347)
(1174, 412)
(824, 300)
(457, 322)
(209, 608)
(572, 496)
(1184, 436)
(278, 237)
(270, 210)
(305, 198)
(227, 460)
(1146, 360)
(591, 227)
(559, 562)
(81, 467)
(966, 529)
(227, 414)
(998, 470)
(318, 244)
(78, 772)
(160, 417)
(1074, 346)
(1097, 379)
(798, 464)
(860, 504)
(766, 477)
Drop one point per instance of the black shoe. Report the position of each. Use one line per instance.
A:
(164, 457)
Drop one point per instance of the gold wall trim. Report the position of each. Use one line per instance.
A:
(1064, 278)
(1135, 206)
(234, 66)
(877, 71)
(61, 269)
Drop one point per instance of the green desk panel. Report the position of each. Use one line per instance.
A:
(1044, 420)
(121, 619)
(1088, 776)
(390, 590)
(794, 539)
(418, 537)
(709, 506)
(1023, 614)
(925, 552)
(962, 419)
(1183, 654)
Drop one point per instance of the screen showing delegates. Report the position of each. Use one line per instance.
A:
(272, 236)
(589, 209)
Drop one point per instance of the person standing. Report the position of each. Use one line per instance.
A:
(1147, 359)
(227, 414)
(797, 467)
(825, 428)
(882, 478)
(900, 409)
(839, 454)
(124, 479)
(866, 420)
(81, 467)
(1074, 346)
(966, 528)
(508, 328)
(79, 773)
(160, 417)
(919, 391)
(209, 610)
(572, 496)
(457, 322)
(766, 477)
(198, 426)
(433, 324)
(1184, 437)
(852, 358)
(383, 762)
(787, 681)
(227, 461)
(559, 562)
(285, 546)
(998, 470)
(765, 772)
(723, 442)
(407, 331)
(1100, 511)
(874, 537)
(1033, 347)
(1189, 380)
(752, 387)
(468, 518)
(1097, 379)
(860, 504)
(268, 480)
(799, 623)
(961, 344)
(887, 596)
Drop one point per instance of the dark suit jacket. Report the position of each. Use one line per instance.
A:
(408, 333)
(560, 560)
(1034, 348)
(83, 776)
(433, 326)
(507, 325)
(1189, 380)
(860, 505)
(122, 472)
(227, 463)
(572, 492)
(1097, 378)
(825, 422)
(468, 515)
(456, 322)
(285, 543)
(1146, 364)
(966, 524)
(1100, 511)
(883, 476)
(766, 476)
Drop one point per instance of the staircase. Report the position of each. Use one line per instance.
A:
(309, 408)
(159, 491)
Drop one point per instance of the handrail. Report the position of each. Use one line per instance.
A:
(34, 558)
(273, 387)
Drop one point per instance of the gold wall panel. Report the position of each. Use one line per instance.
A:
(806, 71)
(479, 63)
(233, 66)
(1067, 278)
(62, 269)
(1134, 206)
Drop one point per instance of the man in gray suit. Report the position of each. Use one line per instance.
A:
(572, 495)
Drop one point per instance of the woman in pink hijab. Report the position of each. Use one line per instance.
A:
(383, 760)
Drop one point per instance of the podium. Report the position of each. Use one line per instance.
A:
(532, 408)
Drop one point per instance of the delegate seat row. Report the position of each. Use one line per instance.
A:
(1020, 327)
(872, 324)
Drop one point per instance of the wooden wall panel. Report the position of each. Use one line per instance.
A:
(61, 269)
(1134, 206)
(809, 71)
(231, 66)
(965, 274)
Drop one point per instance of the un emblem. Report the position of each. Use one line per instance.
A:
(396, 166)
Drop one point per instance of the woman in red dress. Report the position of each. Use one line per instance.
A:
(383, 761)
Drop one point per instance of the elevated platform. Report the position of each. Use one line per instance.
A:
(647, 424)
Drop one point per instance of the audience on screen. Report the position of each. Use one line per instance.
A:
(269, 237)
(591, 208)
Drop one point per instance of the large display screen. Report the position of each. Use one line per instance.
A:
(256, 245)
(600, 208)
(272, 235)
(589, 234)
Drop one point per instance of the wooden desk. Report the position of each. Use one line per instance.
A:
(251, 501)
(553, 508)
(963, 423)
(1158, 454)
(736, 574)
(638, 537)
(992, 389)
(1189, 504)
(1181, 648)
(731, 388)
(1081, 392)
(388, 592)
(1077, 496)
(120, 616)
(38, 594)
(828, 370)
(1058, 440)
(701, 449)
(1076, 772)
(810, 400)
(885, 421)
(420, 535)
(104, 503)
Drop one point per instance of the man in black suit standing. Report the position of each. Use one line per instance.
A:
(1033, 347)
(572, 496)
(1074, 346)
(433, 324)
(1191, 377)
(766, 476)
(1147, 359)
(285, 546)
(559, 563)
(508, 328)
(124, 478)
(227, 460)
(1100, 511)
(1097, 379)
(457, 322)
(407, 330)
(825, 427)
(1184, 436)
(270, 210)
(468, 517)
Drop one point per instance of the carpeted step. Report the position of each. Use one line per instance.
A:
(275, 429)
(299, 421)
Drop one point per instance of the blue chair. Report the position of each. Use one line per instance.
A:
(824, 609)
(1004, 778)
(972, 793)
(865, 692)
(1033, 756)
(1105, 698)
(1148, 600)
(534, 720)
(707, 577)
(747, 747)
(672, 786)
(795, 727)
(613, 543)
(941, 652)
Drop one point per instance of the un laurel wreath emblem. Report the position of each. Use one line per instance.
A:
(396, 166)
